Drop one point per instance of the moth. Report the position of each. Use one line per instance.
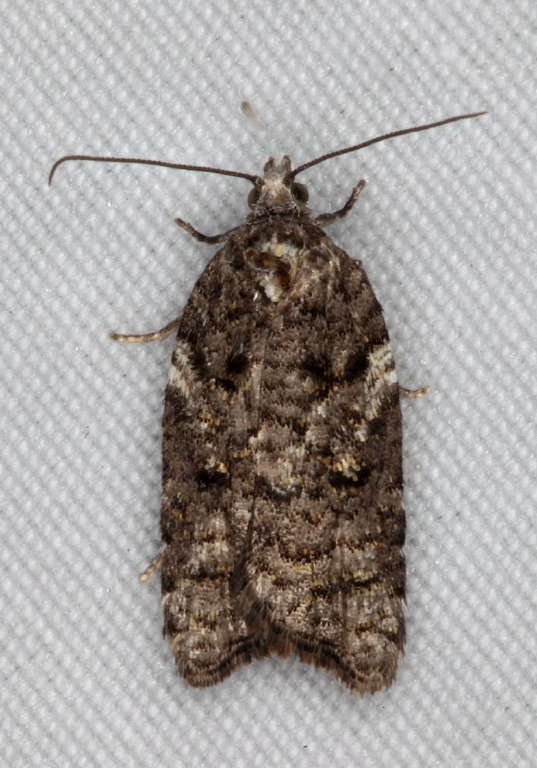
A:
(282, 502)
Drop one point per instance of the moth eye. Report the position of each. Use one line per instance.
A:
(253, 197)
(299, 192)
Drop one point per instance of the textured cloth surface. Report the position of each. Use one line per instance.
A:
(446, 231)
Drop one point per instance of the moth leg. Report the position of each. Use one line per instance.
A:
(328, 218)
(208, 239)
(414, 392)
(152, 567)
(145, 338)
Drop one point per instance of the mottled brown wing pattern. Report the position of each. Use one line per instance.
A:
(208, 472)
(324, 571)
(282, 504)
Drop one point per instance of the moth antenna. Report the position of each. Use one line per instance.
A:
(378, 139)
(161, 163)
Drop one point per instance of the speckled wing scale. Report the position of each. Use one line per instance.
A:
(282, 507)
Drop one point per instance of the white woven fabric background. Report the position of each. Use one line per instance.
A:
(446, 231)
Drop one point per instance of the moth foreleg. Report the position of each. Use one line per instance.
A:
(328, 218)
(208, 239)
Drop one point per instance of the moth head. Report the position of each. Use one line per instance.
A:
(277, 190)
